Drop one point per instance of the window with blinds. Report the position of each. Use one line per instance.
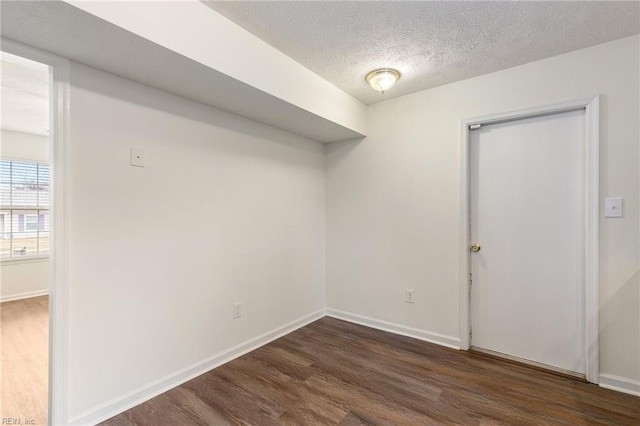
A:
(24, 209)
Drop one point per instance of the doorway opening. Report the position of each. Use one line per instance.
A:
(24, 238)
(505, 309)
(33, 283)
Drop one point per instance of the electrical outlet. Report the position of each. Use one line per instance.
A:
(408, 296)
(237, 310)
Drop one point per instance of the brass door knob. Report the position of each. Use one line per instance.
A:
(475, 248)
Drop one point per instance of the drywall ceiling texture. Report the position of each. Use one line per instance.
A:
(430, 43)
(25, 96)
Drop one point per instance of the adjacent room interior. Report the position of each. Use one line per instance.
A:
(323, 212)
(24, 238)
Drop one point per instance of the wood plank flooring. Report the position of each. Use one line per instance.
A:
(24, 359)
(334, 372)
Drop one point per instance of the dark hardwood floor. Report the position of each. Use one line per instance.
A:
(334, 372)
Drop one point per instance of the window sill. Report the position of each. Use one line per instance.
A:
(26, 259)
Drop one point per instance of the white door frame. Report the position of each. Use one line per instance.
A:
(590, 258)
(58, 293)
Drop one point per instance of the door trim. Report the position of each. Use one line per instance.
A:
(58, 257)
(525, 362)
(591, 252)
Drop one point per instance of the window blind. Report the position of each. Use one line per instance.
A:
(24, 209)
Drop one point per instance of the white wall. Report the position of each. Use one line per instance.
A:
(23, 278)
(393, 198)
(225, 210)
(24, 146)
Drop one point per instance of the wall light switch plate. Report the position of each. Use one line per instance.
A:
(613, 207)
(137, 156)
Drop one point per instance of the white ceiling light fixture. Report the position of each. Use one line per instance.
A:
(382, 79)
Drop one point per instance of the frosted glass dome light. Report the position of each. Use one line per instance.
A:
(382, 79)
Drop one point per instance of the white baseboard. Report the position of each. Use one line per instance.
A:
(26, 295)
(620, 384)
(427, 336)
(145, 393)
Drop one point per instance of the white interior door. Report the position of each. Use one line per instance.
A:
(527, 201)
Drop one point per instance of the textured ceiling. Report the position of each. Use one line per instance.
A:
(431, 43)
(24, 90)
